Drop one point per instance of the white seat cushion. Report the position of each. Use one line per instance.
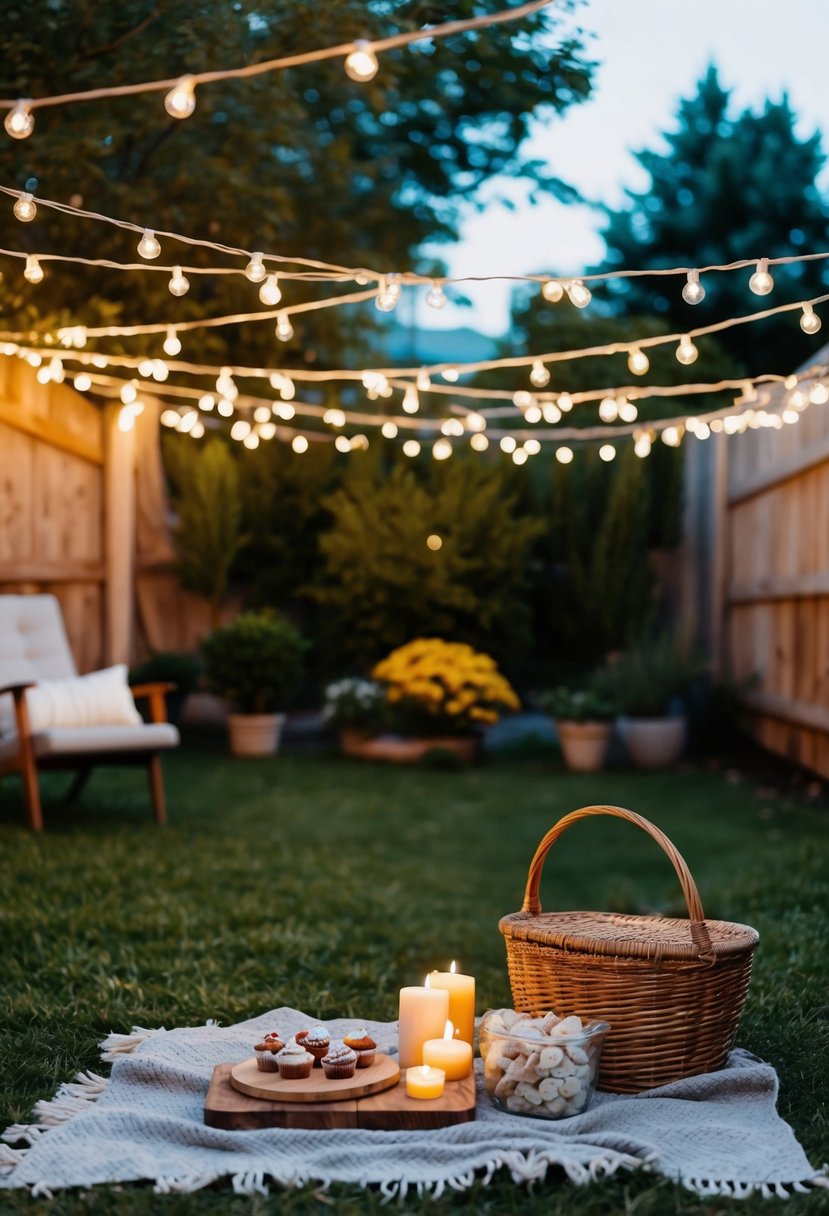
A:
(96, 741)
(33, 646)
(102, 698)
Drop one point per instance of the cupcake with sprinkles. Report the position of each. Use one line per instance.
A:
(267, 1051)
(339, 1062)
(360, 1040)
(316, 1040)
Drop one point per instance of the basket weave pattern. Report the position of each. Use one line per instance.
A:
(671, 989)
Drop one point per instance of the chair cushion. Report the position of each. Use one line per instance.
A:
(33, 646)
(95, 741)
(102, 698)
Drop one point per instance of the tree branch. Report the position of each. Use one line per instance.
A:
(125, 37)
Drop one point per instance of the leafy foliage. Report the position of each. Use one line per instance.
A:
(651, 678)
(383, 585)
(255, 661)
(588, 704)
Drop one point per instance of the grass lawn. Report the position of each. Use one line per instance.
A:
(325, 884)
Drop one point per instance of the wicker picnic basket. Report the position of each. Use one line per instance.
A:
(671, 989)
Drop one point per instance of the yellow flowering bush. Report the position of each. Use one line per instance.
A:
(438, 687)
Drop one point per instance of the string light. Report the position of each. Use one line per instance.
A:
(761, 281)
(532, 447)
(578, 293)
(608, 409)
(423, 382)
(251, 441)
(240, 429)
(284, 329)
(270, 292)
(627, 410)
(207, 401)
(564, 402)
(642, 444)
(552, 291)
(809, 322)
(180, 102)
(172, 343)
(522, 399)
(411, 400)
(475, 421)
(169, 418)
(226, 385)
(507, 444)
(671, 436)
(818, 394)
(436, 296)
(451, 375)
(25, 209)
(82, 382)
(225, 408)
(539, 375)
(129, 393)
(20, 121)
(519, 456)
(255, 270)
(607, 452)
(334, 417)
(299, 444)
(178, 285)
(693, 292)
(564, 455)
(452, 426)
(551, 413)
(389, 430)
(411, 448)
(533, 414)
(386, 298)
(267, 430)
(442, 449)
(361, 64)
(148, 246)
(342, 443)
(34, 272)
(479, 442)
(638, 361)
(359, 443)
(262, 414)
(686, 352)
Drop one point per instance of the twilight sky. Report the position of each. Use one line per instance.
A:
(650, 52)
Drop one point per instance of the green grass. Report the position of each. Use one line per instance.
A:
(323, 884)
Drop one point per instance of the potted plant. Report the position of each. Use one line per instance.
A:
(651, 683)
(583, 719)
(256, 663)
(355, 708)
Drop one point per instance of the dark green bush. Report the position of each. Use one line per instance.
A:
(255, 661)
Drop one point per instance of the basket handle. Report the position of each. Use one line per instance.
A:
(532, 904)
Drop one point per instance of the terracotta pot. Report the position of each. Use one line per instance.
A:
(401, 749)
(653, 742)
(254, 734)
(584, 744)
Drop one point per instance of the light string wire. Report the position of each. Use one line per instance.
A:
(444, 30)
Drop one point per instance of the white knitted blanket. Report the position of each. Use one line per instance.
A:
(717, 1134)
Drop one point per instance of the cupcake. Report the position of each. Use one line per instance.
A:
(315, 1040)
(266, 1052)
(294, 1062)
(361, 1041)
(339, 1062)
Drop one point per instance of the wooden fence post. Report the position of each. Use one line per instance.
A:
(119, 536)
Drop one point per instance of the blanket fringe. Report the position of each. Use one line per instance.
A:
(115, 1045)
(744, 1190)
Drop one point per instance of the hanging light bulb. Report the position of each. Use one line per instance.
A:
(564, 402)
(389, 430)
(342, 443)
(169, 418)
(334, 417)
(818, 393)
(25, 209)
(148, 246)
(539, 375)
(642, 444)
(607, 452)
(411, 401)
(442, 449)
(386, 298)
(188, 421)
(810, 321)
(761, 281)
(361, 64)
(261, 414)
(172, 343)
(251, 441)
(411, 448)
(207, 401)
(20, 121)
(178, 285)
(564, 455)
(255, 270)
(300, 444)
(693, 292)
(225, 407)
(129, 392)
(686, 352)
(284, 329)
(522, 399)
(34, 272)
(435, 296)
(83, 382)
(56, 371)
(423, 381)
(533, 414)
(627, 410)
(451, 375)
(287, 392)
(452, 426)
(270, 292)
(33, 358)
(240, 429)
(638, 361)
(551, 413)
(580, 296)
(532, 447)
(474, 421)
(267, 430)
(283, 410)
(160, 370)
(608, 409)
(520, 456)
(479, 442)
(508, 444)
(226, 385)
(552, 291)
(180, 102)
(671, 436)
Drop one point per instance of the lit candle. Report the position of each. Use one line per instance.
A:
(423, 1013)
(453, 1055)
(461, 989)
(425, 1082)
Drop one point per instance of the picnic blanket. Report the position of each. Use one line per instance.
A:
(717, 1134)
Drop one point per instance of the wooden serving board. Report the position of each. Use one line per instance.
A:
(391, 1110)
(248, 1079)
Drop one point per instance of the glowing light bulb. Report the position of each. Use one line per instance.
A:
(686, 352)
(564, 402)
(188, 421)
(452, 426)
(532, 447)
(361, 64)
(148, 246)
(160, 370)
(126, 419)
(180, 102)
(389, 430)
(270, 292)
(539, 375)
(435, 296)
(533, 414)
(552, 291)
(25, 209)
(261, 414)
(642, 445)
(342, 443)
(300, 444)
(83, 382)
(169, 418)
(638, 361)
(442, 449)
(287, 392)
(508, 444)
(386, 298)
(522, 399)
(608, 409)
(334, 417)
(551, 413)
(172, 343)
(475, 421)
(627, 410)
(255, 270)
(207, 401)
(671, 436)
(34, 272)
(225, 407)
(33, 358)
(581, 297)
(810, 321)
(818, 393)
(240, 429)
(43, 375)
(178, 285)
(451, 375)
(411, 401)
(564, 455)
(761, 281)
(251, 441)
(129, 393)
(607, 452)
(284, 329)
(520, 456)
(226, 385)
(423, 381)
(693, 292)
(479, 442)
(411, 448)
(20, 121)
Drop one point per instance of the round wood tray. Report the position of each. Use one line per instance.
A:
(382, 1074)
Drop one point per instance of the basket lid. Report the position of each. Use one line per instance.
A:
(619, 934)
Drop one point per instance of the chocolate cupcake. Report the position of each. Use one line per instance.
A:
(266, 1052)
(339, 1062)
(315, 1040)
(361, 1041)
(294, 1062)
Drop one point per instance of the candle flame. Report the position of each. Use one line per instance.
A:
(448, 1030)
(452, 967)
(424, 1070)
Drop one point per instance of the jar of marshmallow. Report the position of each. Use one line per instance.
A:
(544, 1066)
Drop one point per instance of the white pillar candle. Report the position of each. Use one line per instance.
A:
(423, 1014)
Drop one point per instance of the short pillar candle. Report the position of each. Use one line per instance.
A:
(423, 1014)
(425, 1082)
(453, 1055)
(461, 989)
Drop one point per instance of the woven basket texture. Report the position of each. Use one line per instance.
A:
(672, 989)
